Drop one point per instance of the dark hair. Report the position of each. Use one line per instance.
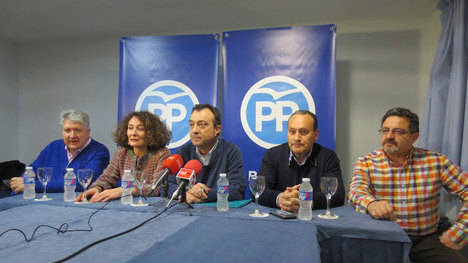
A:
(157, 135)
(213, 109)
(306, 112)
(404, 113)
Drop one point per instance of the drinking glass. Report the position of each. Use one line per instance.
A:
(84, 177)
(257, 186)
(328, 186)
(44, 174)
(140, 181)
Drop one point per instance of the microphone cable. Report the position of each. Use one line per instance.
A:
(63, 228)
(113, 236)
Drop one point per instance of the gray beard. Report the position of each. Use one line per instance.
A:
(391, 149)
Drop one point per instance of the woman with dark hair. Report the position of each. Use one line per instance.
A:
(142, 139)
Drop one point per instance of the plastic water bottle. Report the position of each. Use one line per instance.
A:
(127, 184)
(29, 183)
(222, 203)
(69, 185)
(305, 200)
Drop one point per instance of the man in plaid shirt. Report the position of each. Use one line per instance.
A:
(403, 183)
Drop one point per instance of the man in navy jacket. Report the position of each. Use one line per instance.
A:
(216, 155)
(285, 165)
(76, 150)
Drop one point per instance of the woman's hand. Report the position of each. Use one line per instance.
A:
(107, 195)
(88, 194)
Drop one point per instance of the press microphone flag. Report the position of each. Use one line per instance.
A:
(185, 176)
(170, 166)
(190, 171)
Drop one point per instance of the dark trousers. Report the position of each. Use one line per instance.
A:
(428, 249)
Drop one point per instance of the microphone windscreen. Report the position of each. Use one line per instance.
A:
(195, 165)
(173, 163)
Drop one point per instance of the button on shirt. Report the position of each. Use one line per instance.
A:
(413, 190)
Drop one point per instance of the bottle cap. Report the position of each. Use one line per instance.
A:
(306, 180)
(28, 167)
(222, 175)
(69, 169)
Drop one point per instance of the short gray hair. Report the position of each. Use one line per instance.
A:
(75, 115)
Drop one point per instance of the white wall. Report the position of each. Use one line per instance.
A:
(54, 76)
(375, 72)
(8, 101)
(380, 64)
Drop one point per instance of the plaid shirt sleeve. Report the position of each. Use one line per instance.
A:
(456, 182)
(360, 195)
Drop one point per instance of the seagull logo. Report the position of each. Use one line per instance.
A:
(267, 105)
(167, 97)
(275, 94)
(172, 101)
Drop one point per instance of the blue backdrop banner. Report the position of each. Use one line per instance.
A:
(269, 74)
(168, 75)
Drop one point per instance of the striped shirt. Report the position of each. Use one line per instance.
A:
(412, 189)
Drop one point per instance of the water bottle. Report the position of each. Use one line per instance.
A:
(69, 185)
(29, 183)
(127, 184)
(305, 200)
(222, 203)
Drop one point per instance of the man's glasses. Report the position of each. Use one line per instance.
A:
(397, 131)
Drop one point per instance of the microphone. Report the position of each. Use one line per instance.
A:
(185, 176)
(170, 166)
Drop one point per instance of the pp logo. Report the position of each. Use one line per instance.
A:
(267, 106)
(172, 101)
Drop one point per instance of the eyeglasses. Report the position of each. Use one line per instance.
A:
(397, 131)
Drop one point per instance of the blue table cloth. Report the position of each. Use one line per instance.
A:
(200, 234)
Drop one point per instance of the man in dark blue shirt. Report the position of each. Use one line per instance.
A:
(216, 154)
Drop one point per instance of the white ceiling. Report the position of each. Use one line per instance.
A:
(25, 20)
